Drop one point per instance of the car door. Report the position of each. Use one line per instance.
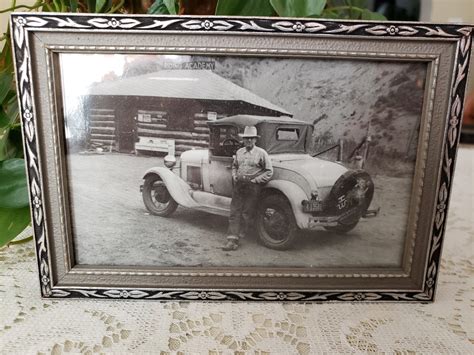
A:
(224, 143)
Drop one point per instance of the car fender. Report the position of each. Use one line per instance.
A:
(295, 195)
(177, 187)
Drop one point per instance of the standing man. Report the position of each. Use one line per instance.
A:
(251, 169)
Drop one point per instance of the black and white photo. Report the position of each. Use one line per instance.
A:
(338, 192)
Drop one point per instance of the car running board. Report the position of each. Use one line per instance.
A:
(211, 203)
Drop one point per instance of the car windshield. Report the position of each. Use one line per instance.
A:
(224, 140)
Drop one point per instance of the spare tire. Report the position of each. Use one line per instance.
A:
(350, 196)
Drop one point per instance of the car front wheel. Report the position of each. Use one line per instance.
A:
(157, 198)
(276, 223)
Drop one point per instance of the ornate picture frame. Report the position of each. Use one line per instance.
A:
(431, 60)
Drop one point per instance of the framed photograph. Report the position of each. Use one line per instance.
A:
(239, 159)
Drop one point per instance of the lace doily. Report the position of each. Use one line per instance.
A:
(31, 325)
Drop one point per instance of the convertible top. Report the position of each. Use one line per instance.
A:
(252, 120)
(271, 131)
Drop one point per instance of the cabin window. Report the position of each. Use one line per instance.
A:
(152, 117)
(288, 134)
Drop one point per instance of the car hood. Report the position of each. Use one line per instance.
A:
(322, 172)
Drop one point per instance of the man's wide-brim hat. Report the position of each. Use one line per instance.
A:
(249, 132)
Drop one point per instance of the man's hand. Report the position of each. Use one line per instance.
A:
(242, 178)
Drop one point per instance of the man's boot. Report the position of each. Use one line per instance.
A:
(232, 244)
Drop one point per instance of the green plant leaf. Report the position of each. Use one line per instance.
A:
(172, 6)
(358, 3)
(298, 8)
(11, 96)
(4, 121)
(57, 5)
(99, 5)
(90, 5)
(73, 5)
(330, 14)
(244, 8)
(6, 80)
(9, 110)
(16, 142)
(12, 109)
(158, 8)
(12, 222)
(7, 149)
(6, 57)
(13, 187)
(374, 16)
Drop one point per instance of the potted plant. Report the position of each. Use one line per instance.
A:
(14, 200)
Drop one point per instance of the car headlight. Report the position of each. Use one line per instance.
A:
(170, 161)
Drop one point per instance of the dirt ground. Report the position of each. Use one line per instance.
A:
(111, 225)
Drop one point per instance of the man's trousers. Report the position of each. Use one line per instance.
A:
(243, 209)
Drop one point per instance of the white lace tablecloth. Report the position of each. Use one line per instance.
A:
(31, 325)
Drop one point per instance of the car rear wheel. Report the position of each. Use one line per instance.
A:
(157, 198)
(276, 223)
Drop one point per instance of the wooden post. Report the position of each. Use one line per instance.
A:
(366, 150)
(341, 147)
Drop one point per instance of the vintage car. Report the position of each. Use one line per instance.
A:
(305, 192)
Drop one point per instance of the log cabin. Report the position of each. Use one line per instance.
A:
(165, 106)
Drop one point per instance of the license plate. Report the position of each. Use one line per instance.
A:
(312, 206)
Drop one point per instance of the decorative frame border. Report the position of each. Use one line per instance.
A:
(22, 23)
(242, 51)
